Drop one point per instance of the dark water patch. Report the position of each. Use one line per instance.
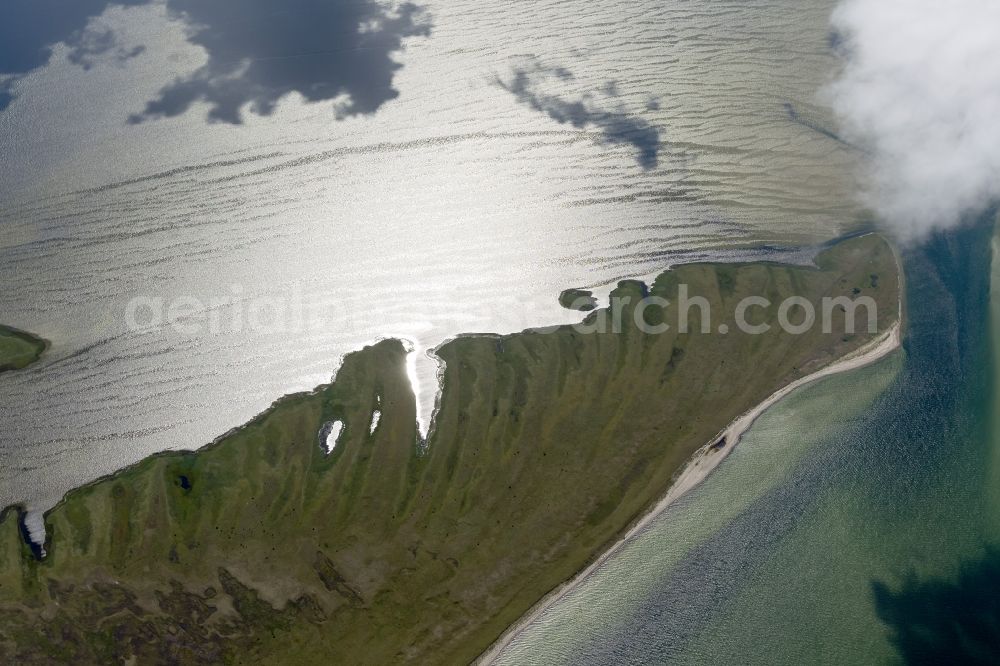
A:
(30, 28)
(617, 127)
(939, 621)
(258, 52)
(933, 419)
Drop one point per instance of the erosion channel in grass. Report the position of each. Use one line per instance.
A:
(269, 546)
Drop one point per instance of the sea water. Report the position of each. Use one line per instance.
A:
(856, 522)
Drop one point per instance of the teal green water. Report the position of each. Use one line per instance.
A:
(853, 524)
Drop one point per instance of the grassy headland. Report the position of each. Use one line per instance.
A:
(18, 349)
(263, 548)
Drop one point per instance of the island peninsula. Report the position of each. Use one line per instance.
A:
(275, 545)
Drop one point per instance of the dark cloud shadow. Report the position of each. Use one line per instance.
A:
(6, 96)
(30, 28)
(258, 50)
(89, 46)
(617, 126)
(946, 621)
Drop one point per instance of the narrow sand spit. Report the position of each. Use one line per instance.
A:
(697, 469)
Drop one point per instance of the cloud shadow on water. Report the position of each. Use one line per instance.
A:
(258, 51)
(92, 45)
(29, 29)
(938, 621)
(616, 126)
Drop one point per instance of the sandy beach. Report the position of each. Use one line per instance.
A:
(704, 461)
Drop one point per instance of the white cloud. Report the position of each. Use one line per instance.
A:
(921, 91)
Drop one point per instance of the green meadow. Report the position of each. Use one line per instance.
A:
(18, 349)
(262, 547)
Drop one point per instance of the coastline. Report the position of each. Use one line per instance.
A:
(237, 497)
(698, 468)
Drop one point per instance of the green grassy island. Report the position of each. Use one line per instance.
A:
(578, 299)
(19, 349)
(264, 548)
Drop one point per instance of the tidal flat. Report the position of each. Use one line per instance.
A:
(547, 446)
(18, 349)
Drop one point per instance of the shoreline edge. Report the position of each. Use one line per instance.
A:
(698, 468)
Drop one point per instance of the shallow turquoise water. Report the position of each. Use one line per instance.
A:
(838, 530)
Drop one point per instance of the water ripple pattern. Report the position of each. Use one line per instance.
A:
(298, 237)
